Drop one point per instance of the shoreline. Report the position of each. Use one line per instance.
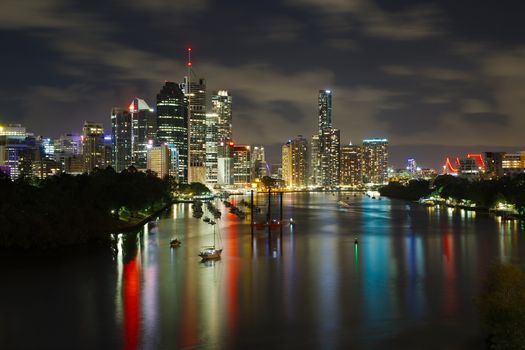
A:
(482, 210)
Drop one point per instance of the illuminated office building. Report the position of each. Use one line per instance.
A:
(12, 143)
(95, 149)
(225, 164)
(143, 132)
(259, 166)
(513, 163)
(295, 162)
(159, 160)
(212, 145)
(121, 131)
(68, 152)
(242, 165)
(221, 103)
(172, 127)
(329, 141)
(196, 95)
(375, 160)
(351, 162)
(325, 110)
(315, 162)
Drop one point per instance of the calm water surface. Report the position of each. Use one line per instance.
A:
(409, 284)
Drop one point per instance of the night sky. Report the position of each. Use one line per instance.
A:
(435, 77)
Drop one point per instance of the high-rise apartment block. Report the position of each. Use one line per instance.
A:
(351, 163)
(295, 163)
(375, 160)
(315, 162)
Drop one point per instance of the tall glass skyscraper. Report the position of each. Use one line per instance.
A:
(328, 155)
(121, 138)
(221, 103)
(172, 127)
(212, 144)
(325, 110)
(196, 95)
(144, 123)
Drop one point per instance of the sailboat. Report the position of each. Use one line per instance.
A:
(175, 242)
(211, 252)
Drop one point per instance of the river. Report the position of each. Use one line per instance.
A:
(410, 283)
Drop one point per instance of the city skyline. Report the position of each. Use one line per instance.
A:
(395, 68)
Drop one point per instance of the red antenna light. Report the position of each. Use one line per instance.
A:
(189, 57)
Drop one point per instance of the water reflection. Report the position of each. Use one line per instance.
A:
(413, 266)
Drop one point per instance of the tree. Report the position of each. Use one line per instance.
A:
(268, 181)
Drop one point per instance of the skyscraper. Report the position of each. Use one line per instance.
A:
(375, 160)
(144, 130)
(351, 160)
(121, 130)
(196, 95)
(212, 144)
(325, 109)
(329, 141)
(328, 155)
(221, 103)
(295, 162)
(94, 148)
(259, 166)
(315, 162)
(172, 127)
(242, 165)
(225, 154)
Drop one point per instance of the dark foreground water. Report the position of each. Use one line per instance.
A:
(411, 283)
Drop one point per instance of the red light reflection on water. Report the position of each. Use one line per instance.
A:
(449, 269)
(131, 291)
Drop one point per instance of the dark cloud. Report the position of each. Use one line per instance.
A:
(414, 72)
(287, 110)
(493, 119)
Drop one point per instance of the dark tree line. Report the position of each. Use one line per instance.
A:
(484, 193)
(414, 190)
(66, 209)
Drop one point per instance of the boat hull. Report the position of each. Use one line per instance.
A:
(211, 254)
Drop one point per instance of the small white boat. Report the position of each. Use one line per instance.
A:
(211, 252)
